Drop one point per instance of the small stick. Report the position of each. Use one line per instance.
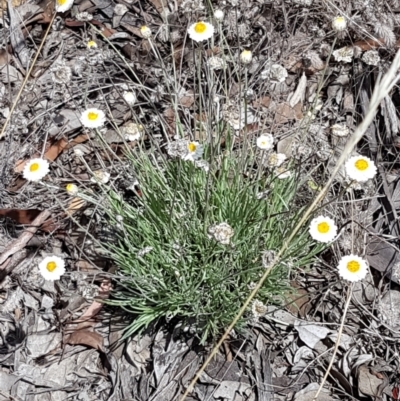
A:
(346, 307)
(382, 88)
(3, 130)
(23, 239)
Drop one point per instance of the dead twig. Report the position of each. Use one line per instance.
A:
(23, 239)
(3, 130)
(382, 88)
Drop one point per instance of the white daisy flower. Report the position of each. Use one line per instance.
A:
(52, 267)
(132, 131)
(194, 151)
(282, 173)
(219, 15)
(130, 97)
(352, 268)
(35, 169)
(246, 56)
(276, 159)
(63, 5)
(93, 118)
(145, 31)
(258, 309)
(91, 44)
(339, 24)
(360, 168)
(323, 229)
(71, 189)
(200, 31)
(265, 142)
(100, 176)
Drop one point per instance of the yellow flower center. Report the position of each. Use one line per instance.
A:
(323, 227)
(260, 309)
(51, 266)
(70, 187)
(34, 167)
(61, 2)
(353, 266)
(92, 116)
(200, 27)
(361, 164)
(91, 43)
(191, 147)
(339, 20)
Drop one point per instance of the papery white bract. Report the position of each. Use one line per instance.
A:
(265, 142)
(360, 168)
(93, 118)
(352, 268)
(52, 267)
(35, 169)
(63, 5)
(200, 31)
(323, 229)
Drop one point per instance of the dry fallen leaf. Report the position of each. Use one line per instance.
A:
(75, 204)
(160, 5)
(20, 216)
(95, 307)
(53, 151)
(86, 337)
(264, 101)
(284, 113)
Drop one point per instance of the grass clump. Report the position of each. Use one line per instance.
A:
(195, 240)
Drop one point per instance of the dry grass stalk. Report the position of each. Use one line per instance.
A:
(382, 89)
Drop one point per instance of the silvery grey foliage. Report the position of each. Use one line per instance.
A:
(216, 63)
(192, 6)
(61, 73)
(177, 148)
(386, 33)
(371, 57)
(84, 16)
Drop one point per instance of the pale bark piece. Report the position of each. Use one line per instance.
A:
(7, 381)
(368, 384)
(71, 122)
(308, 394)
(300, 92)
(311, 334)
(9, 74)
(16, 36)
(228, 389)
(42, 344)
(384, 258)
(389, 309)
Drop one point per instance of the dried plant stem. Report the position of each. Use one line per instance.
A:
(346, 307)
(382, 88)
(3, 130)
